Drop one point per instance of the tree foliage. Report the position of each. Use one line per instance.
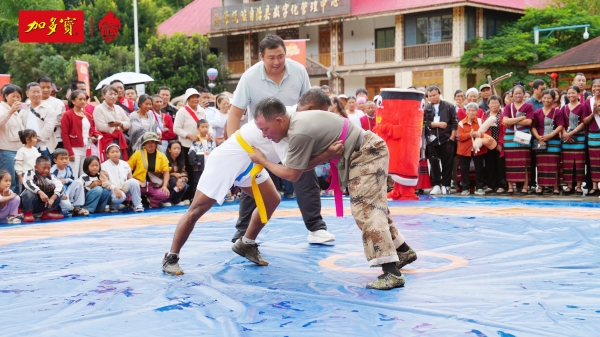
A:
(514, 50)
(180, 62)
(174, 61)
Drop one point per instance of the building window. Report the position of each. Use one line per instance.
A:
(494, 20)
(470, 23)
(434, 28)
(385, 38)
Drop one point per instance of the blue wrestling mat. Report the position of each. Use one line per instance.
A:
(486, 267)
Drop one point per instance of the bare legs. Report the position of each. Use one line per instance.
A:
(202, 204)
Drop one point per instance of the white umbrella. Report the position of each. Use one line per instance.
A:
(127, 78)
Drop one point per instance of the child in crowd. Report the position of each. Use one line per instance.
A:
(200, 150)
(9, 200)
(43, 192)
(96, 197)
(117, 177)
(26, 155)
(178, 181)
(74, 198)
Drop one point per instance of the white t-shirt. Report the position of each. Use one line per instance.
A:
(33, 124)
(85, 130)
(218, 122)
(25, 159)
(355, 117)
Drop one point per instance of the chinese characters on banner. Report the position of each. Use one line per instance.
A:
(296, 50)
(51, 26)
(83, 74)
(275, 11)
(4, 79)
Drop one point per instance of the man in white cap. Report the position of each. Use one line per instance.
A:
(286, 79)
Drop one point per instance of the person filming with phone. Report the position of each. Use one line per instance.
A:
(10, 125)
(40, 117)
(111, 121)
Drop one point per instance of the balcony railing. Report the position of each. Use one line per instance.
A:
(368, 56)
(424, 51)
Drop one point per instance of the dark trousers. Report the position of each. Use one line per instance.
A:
(494, 169)
(465, 163)
(175, 197)
(308, 195)
(281, 184)
(441, 154)
(31, 202)
(588, 171)
(191, 191)
(532, 170)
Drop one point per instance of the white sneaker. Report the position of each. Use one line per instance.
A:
(186, 202)
(166, 204)
(480, 192)
(320, 236)
(435, 190)
(181, 204)
(445, 191)
(139, 208)
(121, 206)
(465, 192)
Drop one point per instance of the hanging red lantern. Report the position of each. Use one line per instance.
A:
(554, 76)
(531, 84)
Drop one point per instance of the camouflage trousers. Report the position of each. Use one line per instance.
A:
(368, 201)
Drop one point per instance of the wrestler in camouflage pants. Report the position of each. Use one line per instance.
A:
(368, 201)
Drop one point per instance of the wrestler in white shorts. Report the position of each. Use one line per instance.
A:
(229, 165)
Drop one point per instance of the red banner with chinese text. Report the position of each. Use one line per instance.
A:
(83, 74)
(4, 79)
(296, 50)
(51, 26)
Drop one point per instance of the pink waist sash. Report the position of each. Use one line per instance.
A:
(335, 181)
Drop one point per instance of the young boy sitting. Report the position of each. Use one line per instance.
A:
(43, 192)
(200, 150)
(74, 198)
(116, 176)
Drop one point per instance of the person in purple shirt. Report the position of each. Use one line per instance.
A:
(574, 144)
(548, 123)
(517, 115)
(592, 119)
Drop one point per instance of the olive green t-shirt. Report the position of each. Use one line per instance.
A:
(312, 132)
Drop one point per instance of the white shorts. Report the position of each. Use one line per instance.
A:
(229, 165)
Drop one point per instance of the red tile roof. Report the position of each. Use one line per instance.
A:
(583, 54)
(196, 17)
(193, 18)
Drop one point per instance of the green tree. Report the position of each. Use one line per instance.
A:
(513, 49)
(103, 64)
(24, 60)
(9, 14)
(180, 62)
(150, 14)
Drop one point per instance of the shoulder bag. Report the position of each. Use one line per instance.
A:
(521, 137)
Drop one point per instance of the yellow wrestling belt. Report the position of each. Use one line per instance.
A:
(260, 203)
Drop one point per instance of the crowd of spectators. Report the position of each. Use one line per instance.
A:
(128, 152)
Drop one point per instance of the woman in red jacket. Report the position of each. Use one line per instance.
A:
(77, 128)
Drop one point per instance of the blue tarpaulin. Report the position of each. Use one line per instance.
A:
(536, 274)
